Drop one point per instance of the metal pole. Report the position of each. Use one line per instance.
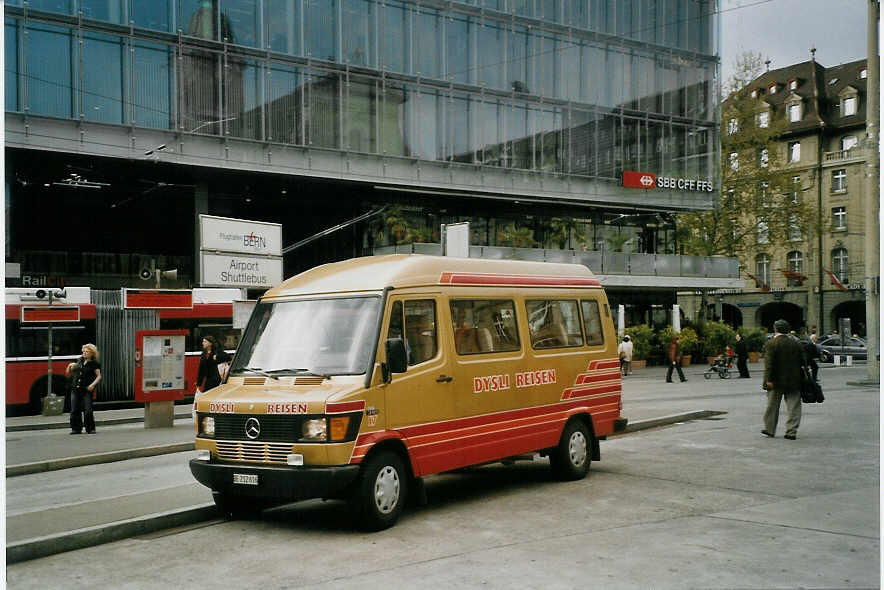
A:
(873, 196)
(49, 355)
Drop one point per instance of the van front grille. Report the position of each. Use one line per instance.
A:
(232, 450)
(273, 427)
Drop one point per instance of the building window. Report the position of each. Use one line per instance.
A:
(762, 231)
(793, 84)
(795, 113)
(763, 119)
(796, 189)
(839, 180)
(848, 106)
(763, 158)
(795, 262)
(794, 151)
(735, 161)
(848, 142)
(839, 264)
(772, 89)
(839, 218)
(863, 74)
(794, 229)
(754, 94)
(762, 270)
(732, 126)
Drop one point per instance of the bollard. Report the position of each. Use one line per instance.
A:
(159, 414)
(849, 360)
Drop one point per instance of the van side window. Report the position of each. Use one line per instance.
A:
(484, 325)
(592, 323)
(420, 330)
(553, 324)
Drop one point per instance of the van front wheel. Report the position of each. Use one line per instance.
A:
(380, 492)
(571, 458)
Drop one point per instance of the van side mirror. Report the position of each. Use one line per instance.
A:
(397, 362)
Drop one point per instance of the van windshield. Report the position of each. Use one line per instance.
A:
(316, 336)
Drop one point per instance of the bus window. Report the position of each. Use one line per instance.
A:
(553, 324)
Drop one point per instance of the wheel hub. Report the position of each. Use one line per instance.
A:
(577, 448)
(386, 489)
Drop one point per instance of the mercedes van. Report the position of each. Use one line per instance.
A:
(356, 379)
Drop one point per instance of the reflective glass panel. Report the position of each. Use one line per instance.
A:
(358, 34)
(102, 78)
(59, 6)
(459, 44)
(428, 30)
(518, 64)
(462, 131)
(244, 19)
(491, 54)
(548, 65)
(283, 19)
(200, 102)
(490, 121)
(520, 138)
(285, 105)
(393, 120)
(242, 99)
(394, 37)
(428, 131)
(153, 85)
(154, 15)
(10, 32)
(112, 11)
(360, 118)
(324, 110)
(322, 29)
(49, 70)
(199, 18)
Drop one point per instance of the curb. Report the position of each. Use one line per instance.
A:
(666, 420)
(95, 459)
(108, 422)
(106, 533)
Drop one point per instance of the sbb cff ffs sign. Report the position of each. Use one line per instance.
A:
(647, 180)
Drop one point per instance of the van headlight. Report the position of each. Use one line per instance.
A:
(315, 429)
(207, 426)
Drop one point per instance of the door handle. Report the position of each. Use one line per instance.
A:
(444, 379)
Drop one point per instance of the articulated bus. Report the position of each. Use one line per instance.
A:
(97, 316)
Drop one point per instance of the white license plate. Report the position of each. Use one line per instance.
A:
(248, 479)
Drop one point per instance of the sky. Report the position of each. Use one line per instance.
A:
(785, 30)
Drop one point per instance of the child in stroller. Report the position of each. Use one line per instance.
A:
(721, 365)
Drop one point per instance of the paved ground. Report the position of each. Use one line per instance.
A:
(714, 478)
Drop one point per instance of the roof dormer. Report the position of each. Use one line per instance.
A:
(792, 84)
(794, 108)
(849, 97)
(772, 88)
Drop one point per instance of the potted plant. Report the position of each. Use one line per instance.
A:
(641, 344)
(716, 337)
(755, 339)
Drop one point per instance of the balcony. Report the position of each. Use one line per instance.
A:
(842, 155)
(614, 269)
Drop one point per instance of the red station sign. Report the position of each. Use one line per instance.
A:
(157, 299)
(49, 314)
(644, 180)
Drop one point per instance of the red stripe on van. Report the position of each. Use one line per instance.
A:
(341, 407)
(467, 278)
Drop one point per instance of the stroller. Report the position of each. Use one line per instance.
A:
(722, 365)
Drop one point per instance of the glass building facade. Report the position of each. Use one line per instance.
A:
(578, 88)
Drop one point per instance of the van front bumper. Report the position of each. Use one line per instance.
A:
(282, 483)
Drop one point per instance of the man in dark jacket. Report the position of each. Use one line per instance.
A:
(783, 358)
(742, 357)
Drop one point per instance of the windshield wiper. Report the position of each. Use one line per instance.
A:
(259, 371)
(306, 372)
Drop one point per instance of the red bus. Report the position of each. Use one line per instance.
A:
(102, 321)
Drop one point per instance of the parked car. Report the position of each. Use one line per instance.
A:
(831, 345)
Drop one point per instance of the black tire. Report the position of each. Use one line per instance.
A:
(707, 375)
(380, 492)
(571, 458)
(238, 507)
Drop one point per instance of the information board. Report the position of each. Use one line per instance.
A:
(159, 365)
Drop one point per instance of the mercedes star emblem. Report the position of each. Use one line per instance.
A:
(253, 428)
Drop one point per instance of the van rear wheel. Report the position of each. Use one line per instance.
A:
(571, 458)
(380, 492)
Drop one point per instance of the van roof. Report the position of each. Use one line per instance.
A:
(374, 273)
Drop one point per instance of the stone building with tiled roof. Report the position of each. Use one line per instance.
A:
(813, 280)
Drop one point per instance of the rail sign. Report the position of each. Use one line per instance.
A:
(49, 314)
(228, 270)
(241, 236)
(157, 299)
(644, 180)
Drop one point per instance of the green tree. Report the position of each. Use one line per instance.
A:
(759, 207)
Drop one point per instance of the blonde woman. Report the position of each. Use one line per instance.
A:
(87, 374)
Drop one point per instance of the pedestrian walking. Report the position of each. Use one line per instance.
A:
(812, 353)
(208, 375)
(85, 375)
(783, 359)
(625, 352)
(742, 357)
(674, 360)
